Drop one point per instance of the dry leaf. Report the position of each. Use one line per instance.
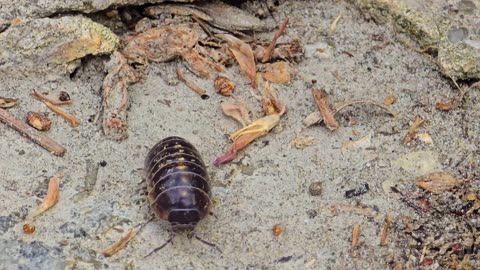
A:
(237, 112)
(244, 55)
(301, 142)
(39, 121)
(321, 98)
(389, 100)
(386, 229)
(51, 199)
(117, 246)
(424, 137)
(246, 135)
(438, 182)
(224, 85)
(7, 102)
(445, 106)
(270, 102)
(278, 72)
(418, 122)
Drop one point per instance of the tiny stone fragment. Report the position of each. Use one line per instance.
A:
(64, 96)
(315, 188)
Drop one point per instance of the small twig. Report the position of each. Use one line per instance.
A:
(386, 229)
(321, 98)
(418, 122)
(31, 133)
(74, 122)
(355, 237)
(192, 85)
(41, 97)
(364, 101)
(203, 25)
(269, 50)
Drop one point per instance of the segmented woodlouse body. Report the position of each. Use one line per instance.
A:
(177, 182)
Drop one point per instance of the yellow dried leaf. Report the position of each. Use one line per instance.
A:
(279, 72)
(438, 182)
(424, 137)
(117, 246)
(244, 55)
(51, 199)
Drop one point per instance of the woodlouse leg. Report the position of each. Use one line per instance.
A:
(206, 242)
(163, 245)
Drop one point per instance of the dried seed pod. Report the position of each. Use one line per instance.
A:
(28, 228)
(39, 121)
(224, 85)
(277, 229)
(64, 96)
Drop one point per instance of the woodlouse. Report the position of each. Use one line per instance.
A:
(177, 184)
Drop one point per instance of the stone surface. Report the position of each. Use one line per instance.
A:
(450, 29)
(52, 45)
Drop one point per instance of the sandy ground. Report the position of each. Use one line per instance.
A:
(267, 184)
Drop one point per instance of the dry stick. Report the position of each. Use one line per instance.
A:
(418, 122)
(364, 101)
(191, 85)
(386, 229)
(74, 122)
(41, 97)
(355, 237)
(321, 98)
(31, 133)
(269, 50)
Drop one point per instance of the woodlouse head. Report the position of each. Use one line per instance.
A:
(187, 218)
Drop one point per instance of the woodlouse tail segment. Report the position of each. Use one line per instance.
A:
(193, 234)
(162, 246)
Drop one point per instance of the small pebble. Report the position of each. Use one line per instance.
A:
(315, 188)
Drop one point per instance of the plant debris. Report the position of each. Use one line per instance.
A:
(236, 111)
(385, 230)
(389, 100)
(120, 244)
(321, 98)
(7, 102)
(418, 122)
(277, 230)
(424, 137)
(44, 98)
(51, 199)
(438, 182)
(301, 142)
(246, 135)
(39, 121)
(28, 228)
(224, 86)
(270, 102)
(200, 91)
(359, 210)
(446, 106)
(72, 120)
(279, 33)
(355, 237)
(278, 72)
(244, 55)
(31, 133)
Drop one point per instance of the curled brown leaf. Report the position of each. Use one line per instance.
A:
(244, 55)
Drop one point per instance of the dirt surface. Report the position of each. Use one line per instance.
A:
(269, 182)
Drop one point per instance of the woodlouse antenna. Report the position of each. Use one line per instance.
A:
(162, 246)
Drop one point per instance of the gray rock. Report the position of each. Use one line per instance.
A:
(52, 45)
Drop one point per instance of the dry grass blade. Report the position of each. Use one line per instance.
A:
(363, 101)
(355, 237)
(7, 102)
(418, 122)
(41, 97)
(51, 199)
(117, 246)
(333, 27)
(438, 182)
(321, 98)
(74, 122)
(237, 112)
(386, 229)
(269, 50)
(244, 55)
